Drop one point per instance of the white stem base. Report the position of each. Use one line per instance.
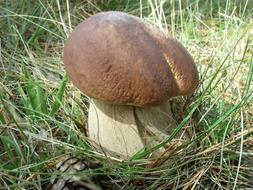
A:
(125, 130)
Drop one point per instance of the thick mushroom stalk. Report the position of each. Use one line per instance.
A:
(127, 129)
(131, 70)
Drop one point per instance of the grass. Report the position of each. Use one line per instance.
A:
(42, 116)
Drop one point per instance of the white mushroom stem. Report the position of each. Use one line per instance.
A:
(125, 130)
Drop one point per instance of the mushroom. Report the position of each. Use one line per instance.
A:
(130, 70)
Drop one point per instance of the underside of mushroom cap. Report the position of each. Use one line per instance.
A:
(117, 58)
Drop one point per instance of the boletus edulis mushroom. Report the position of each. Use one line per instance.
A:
(130, 70)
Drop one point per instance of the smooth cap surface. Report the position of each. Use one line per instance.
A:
(117, 58)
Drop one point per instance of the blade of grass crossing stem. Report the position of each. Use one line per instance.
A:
(59, 96)
(36, 94)
(139, 154)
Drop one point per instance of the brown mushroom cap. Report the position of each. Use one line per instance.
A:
(117, 58)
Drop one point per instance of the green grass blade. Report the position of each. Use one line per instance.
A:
(36, 94)
(59, 96)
